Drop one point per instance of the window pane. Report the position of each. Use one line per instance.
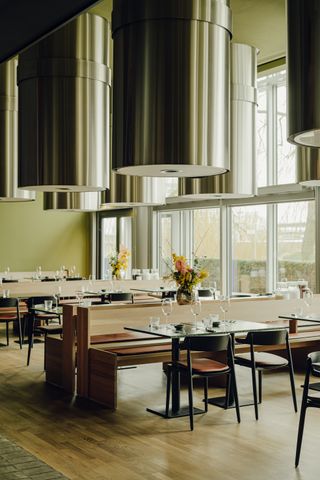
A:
(296, 241)
(165, 243)
(285, 151)
(261, 165)
(125, 240)
(249, 248)
(108, 243)
(206, 241)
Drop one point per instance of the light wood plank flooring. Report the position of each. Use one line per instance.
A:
(85, 442)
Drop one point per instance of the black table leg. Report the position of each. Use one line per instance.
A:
(176, 410)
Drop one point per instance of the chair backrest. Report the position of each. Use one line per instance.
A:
(168, 294)
(71, 279)
(314, 358)
(207, 343)
(32, 301)
(9, 302)
(205, 292)
(120, 297)
(270, 337)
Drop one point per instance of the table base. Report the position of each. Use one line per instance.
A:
(221, 402)
(182, 412)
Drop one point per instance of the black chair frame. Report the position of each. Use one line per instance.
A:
(207, 344)
(11, 303)
(270, 337)
(312, 368)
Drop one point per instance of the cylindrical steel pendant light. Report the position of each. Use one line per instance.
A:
(303, 72)
(9, 191)
(72, 201)
(64, 84)
(241, 180)
(171, 87)
(308, 166)
(132, 191)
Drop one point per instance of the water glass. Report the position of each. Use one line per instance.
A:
(213, 289)
(6, 293)
(48, 304)
(224, 304)
(166, 307)
(154, 323)
(196, 309)
(308, 297)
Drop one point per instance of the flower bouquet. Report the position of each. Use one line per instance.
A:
(186, 278)
(119, 262)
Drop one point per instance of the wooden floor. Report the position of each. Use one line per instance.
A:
(84, 442)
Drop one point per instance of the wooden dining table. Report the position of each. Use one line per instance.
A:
(232, 327)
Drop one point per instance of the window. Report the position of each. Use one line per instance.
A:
(296, 242)
(115, 231)
(206, 240)
(249, 249)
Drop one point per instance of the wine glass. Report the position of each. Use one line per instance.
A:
(57, 295)
(195, 310)
(308, 297)
(166, 307)
(213, 289)
(224, 304)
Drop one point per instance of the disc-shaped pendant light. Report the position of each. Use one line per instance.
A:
(64, 83)
(241, 180)
(72, 201)
(9, 191)
(171, 87)
(303, 72)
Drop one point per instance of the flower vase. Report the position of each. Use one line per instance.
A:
(185, 296)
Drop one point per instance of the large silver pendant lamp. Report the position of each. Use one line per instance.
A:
(303, 71)
(241, 180)
(72, 201)
(171, 87)
(308, 166)
(9, 191)
(64, 83)
(133, 191)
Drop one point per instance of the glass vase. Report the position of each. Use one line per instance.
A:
(185, 296)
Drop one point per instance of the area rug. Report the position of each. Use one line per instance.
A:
(17, 464)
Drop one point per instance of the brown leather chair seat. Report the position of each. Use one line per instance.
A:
(262, 359)
(205, 365)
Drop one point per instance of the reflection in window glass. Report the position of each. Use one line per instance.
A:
(125, 239)
(165, 243)
(296, 242)
(285, 151)
(206, 241)
(249, 248)
(262, 151)
(108, 243)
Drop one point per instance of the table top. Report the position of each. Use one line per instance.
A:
(313, 317)
(41, 308)
(154, 290)
(230, 326)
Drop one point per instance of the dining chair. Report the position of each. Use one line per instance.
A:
(120, 297)
(204, 292)
(263, 361)
(205, 367)
(33, 316)
(312, 368)
(10, 312)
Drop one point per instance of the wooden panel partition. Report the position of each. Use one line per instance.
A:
(96, 364)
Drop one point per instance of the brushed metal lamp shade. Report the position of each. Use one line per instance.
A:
(133, 191)
(72, 201)
(9, 191)
(308, 166)
(64, 89)
(171, 87)
(303, 72)
(241, 180)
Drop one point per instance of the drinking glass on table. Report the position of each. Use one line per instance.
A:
(308, 297)
(213, 289)
(224, 304)
(195, 310)
(166, 307)
(57, 295)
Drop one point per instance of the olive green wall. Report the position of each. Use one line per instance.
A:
(30, 236)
